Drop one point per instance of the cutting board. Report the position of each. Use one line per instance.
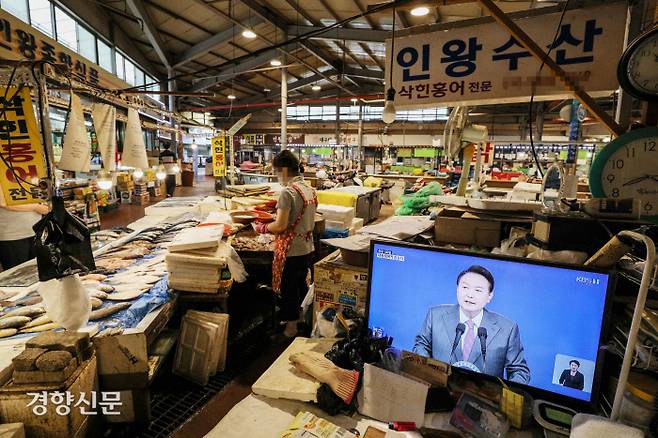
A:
(282, 380)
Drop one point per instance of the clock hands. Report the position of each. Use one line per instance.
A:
(640, 179)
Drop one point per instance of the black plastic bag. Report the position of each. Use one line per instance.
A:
(62, 244)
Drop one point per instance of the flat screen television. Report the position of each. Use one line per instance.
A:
(528, 322)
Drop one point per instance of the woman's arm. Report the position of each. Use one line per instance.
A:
(37, 208)
(281, 222)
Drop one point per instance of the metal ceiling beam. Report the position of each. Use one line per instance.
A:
(364, 73)
(342, 34)
(249, 52)
(537, 12)
(275, 93)
(340, 45)
(230, 71)
(402, 18)
(211, 43)
(138, 9)
(280, 23)
(247, 84)
(373, 26)
(175, 16)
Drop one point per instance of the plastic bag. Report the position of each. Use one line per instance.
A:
(62, 244)
(234, 262)
(66, 301)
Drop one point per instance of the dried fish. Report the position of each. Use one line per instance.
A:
(106, 288)
(5, 333)
(95, 303)
(97, 294)
(107, 311)
(13, 321)
(94, 277)
(41, 328)
(43, 319)
(26, 311)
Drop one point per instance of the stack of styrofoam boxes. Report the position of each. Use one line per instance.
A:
(337, 218)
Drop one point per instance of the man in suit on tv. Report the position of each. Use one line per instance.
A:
(454, 333)
(572, 378)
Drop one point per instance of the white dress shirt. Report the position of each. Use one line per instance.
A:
(477, 322)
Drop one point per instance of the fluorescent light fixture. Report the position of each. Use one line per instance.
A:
(248, 33)
(266, 90)
(231, 97)
(275, 62)
(316, 88)
(420, 11)
(354, 99)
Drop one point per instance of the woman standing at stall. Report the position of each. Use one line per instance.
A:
(293, 245)
(16, 233)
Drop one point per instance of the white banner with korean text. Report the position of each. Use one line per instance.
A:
(104, 118)
(485, 64)
(76, 151)
(134, 149)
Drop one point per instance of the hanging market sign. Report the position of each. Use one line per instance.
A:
(20, 41)
(218, 156)
(485, 64)
(292, 139)
(22, 163)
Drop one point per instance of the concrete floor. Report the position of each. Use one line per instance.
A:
(129, 213)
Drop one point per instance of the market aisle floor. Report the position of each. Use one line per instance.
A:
(129, 213)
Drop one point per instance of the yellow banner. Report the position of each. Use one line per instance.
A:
(218, 156)
(22, 154)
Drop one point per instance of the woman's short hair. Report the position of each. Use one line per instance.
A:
(286, 160)
(477, 269)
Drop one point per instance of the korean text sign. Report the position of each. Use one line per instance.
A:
(485, 64)
(218, 156)
(22, 163)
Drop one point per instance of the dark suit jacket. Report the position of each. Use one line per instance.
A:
(504, 348)
(575, 382)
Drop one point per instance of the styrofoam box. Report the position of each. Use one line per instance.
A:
(337, 215)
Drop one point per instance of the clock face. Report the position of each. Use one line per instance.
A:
(643, 66)
(631, 171)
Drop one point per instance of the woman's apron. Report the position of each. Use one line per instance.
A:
(283, 241)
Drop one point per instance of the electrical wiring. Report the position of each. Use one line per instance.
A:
(534, 87)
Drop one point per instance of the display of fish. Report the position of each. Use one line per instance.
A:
(94, 277)
(95, 302)
(29, 311)
(40, 328)
(43, 319)
(106, 288)
(97, 294)
(5, 333)
(13, 321)
(107, 311)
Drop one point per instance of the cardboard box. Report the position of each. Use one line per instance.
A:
(135, 407)
(122, 361)
(454, 225)
(141, 199)
(336, 282)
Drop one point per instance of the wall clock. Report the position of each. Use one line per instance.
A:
(637, 71)
(628, 168)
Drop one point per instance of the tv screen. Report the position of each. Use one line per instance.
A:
(527, 322)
